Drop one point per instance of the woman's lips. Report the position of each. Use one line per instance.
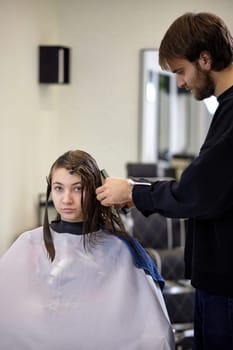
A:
(67, 210)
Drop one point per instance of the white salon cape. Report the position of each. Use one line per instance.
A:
(93, 299)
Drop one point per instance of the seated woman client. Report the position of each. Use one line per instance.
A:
(80, 282)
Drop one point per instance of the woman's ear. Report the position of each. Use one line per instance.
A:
(205, 60)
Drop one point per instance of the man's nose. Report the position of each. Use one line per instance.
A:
(180, 82)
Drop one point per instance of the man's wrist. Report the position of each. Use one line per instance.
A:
(132, 183)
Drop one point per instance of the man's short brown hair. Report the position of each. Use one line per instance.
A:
(193, 33)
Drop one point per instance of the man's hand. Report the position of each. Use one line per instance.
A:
(115, 191)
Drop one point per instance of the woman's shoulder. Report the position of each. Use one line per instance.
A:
(34, 234)
(31, 236)
(22, 246)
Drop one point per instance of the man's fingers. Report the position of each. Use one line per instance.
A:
(99, 190)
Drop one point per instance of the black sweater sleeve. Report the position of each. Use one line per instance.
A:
(205, 189)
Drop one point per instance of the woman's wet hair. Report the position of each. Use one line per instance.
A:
(193, 33)
(95, 215)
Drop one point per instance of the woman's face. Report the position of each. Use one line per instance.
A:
(66, 195)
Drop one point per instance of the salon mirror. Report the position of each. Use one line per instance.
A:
(171, 121)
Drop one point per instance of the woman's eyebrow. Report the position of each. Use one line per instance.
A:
(56, 183)
(60, 183)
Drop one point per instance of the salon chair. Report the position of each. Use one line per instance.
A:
(164, 239)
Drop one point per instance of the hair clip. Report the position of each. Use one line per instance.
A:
(48, 181)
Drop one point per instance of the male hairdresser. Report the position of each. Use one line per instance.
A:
(198, 48)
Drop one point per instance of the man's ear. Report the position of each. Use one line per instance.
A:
(205, 60)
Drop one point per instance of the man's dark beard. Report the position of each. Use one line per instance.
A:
(207, 84)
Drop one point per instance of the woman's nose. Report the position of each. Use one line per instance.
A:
(67, 197)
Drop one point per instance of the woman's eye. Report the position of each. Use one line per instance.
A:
(58, 188)
(78, 188)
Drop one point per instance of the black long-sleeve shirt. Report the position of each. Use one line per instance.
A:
(204, 195)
